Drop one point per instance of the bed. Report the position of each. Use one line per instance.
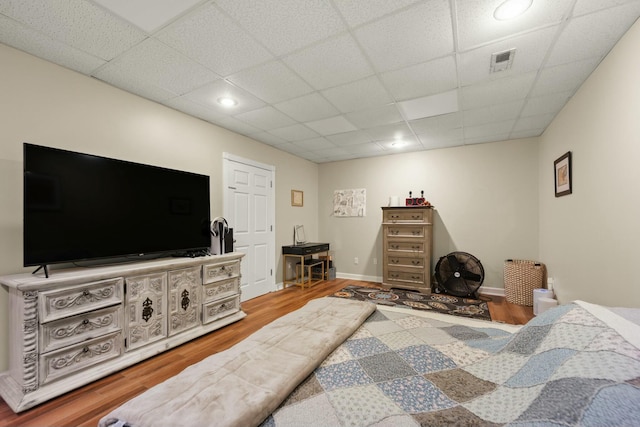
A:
(577, 364)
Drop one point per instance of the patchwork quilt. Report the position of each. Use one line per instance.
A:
(577, 364)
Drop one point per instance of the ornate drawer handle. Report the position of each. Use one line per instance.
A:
(415, 277)
(394, 246)
(416, 262)
(416, 232)
(395, 261)
(416, 247)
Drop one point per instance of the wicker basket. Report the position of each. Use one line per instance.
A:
(521, 277)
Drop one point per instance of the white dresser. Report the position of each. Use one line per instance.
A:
(82, 324)
(406, 248)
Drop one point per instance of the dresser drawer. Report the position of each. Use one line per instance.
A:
(406, 276)
(417, 232)
(405, 246)
(80, 328)
(66, 361)
(215, 272)
(405, 261)
(74, 300)
(220, 308)
(221, 289)
(407, 215)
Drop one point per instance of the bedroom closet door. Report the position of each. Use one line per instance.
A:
(250, 210)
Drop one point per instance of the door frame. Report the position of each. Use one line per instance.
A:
(226, 200)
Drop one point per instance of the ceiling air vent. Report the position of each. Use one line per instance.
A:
(501, 61)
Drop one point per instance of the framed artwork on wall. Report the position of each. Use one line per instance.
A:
(297, 198)
(562, 174)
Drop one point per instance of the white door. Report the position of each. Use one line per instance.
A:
(250, 210)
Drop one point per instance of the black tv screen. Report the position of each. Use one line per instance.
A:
(85, 207)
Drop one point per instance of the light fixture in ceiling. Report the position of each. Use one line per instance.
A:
(511, 9)
(227, 102)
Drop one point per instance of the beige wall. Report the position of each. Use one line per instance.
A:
(50, 105)
(591, 238)
(485, 196)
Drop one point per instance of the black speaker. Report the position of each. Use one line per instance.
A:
(228, 241)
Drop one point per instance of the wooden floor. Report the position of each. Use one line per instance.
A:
(86, 405)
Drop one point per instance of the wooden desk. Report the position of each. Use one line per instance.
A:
(301, 252)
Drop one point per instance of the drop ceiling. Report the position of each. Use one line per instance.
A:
(331, 80)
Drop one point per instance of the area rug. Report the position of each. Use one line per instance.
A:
(449, 304)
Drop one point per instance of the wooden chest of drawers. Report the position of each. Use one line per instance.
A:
(406, 247)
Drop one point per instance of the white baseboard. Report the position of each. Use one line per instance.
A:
(486, 290)
(358, 277)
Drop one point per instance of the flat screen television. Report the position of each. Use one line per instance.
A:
(85, 207)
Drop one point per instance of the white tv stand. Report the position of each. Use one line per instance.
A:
(82, 324)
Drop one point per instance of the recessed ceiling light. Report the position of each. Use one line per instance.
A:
(227, 102)
(511, 9)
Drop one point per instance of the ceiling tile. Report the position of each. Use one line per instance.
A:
(357, 12)
(423, 79)
(269, 138)
(432, 125)
(333, 62)
(593, 35)
(373, 117)
(211, 38)
(315, 144)
(485, 139)
(406, 144)
(350, 138)
(192, 108)
(493, 113)
(412, 36)
(565, 77)
(488, 129)
(13, 33)
(531, 50)
(430, 143)
(497, 91)
(308, 108)
(209, 94)
(332, 125)
(290, 147)
(533, 122)
(526, 133)
(368, 148)
(296, 132)
(390, 132)
(583, 7)
(285, 25)
(80, 24)
(152, 62)
(237, 126)
(429, 106)
(365, 93)
(272, 82)
(546, 104)
(477, 26)
(148, 15)
(266, 118)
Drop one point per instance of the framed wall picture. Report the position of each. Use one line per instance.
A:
(562, 174)
(297, 198)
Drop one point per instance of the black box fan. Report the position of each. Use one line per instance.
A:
(459, 274)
